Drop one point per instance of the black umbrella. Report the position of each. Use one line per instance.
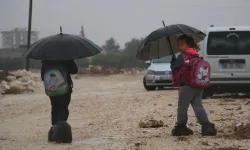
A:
(62, 47)
(163, 42)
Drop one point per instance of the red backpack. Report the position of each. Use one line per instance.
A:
(195, 72)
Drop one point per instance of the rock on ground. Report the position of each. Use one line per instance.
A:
(110, 70)
(17, 82)
(150, 122)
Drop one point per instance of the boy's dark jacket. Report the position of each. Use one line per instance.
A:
(176, 64)
(70, 66)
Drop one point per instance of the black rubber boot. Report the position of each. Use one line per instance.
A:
(182, 130)
(50, 133)
(208, 129)
(62, 133)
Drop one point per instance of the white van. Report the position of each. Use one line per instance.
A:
(227, 49)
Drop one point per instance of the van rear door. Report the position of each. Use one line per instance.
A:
(228, 53)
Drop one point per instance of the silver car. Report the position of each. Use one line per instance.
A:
(158, 74)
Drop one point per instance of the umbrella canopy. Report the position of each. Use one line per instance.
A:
(163, 42)
(62, 47)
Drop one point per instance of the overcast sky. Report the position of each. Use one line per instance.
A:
(121, 19)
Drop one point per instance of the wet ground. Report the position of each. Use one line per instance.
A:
(105, 113)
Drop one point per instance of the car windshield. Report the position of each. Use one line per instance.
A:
(229, 43)
(166, 59)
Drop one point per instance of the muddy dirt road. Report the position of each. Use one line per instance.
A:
(105, 113)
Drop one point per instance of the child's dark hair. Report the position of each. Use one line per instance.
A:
(189, 40)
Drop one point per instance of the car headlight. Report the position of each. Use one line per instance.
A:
(150, 72)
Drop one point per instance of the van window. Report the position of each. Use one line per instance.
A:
(165, 59)
(229, 43)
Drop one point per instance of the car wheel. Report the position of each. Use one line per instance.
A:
(148, 88)
(207, 93)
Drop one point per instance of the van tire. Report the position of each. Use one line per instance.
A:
(148, 88)
(207, 93)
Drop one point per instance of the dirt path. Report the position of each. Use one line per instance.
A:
(104, 115)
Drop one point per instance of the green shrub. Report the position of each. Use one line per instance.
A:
(117, 60)
(9, 64)
(115, 57)
(83, 63)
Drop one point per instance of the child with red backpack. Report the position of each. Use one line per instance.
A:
(191, 73)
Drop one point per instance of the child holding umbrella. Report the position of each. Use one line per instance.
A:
(58, 53)
(161, 42)
(58, 86)
(187, 94)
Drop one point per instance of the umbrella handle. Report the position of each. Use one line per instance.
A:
(173, 55)
(172, 51)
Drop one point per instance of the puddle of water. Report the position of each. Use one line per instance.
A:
(92, 141)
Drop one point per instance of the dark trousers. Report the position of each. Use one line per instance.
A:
(59, 110)
(193, 96)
